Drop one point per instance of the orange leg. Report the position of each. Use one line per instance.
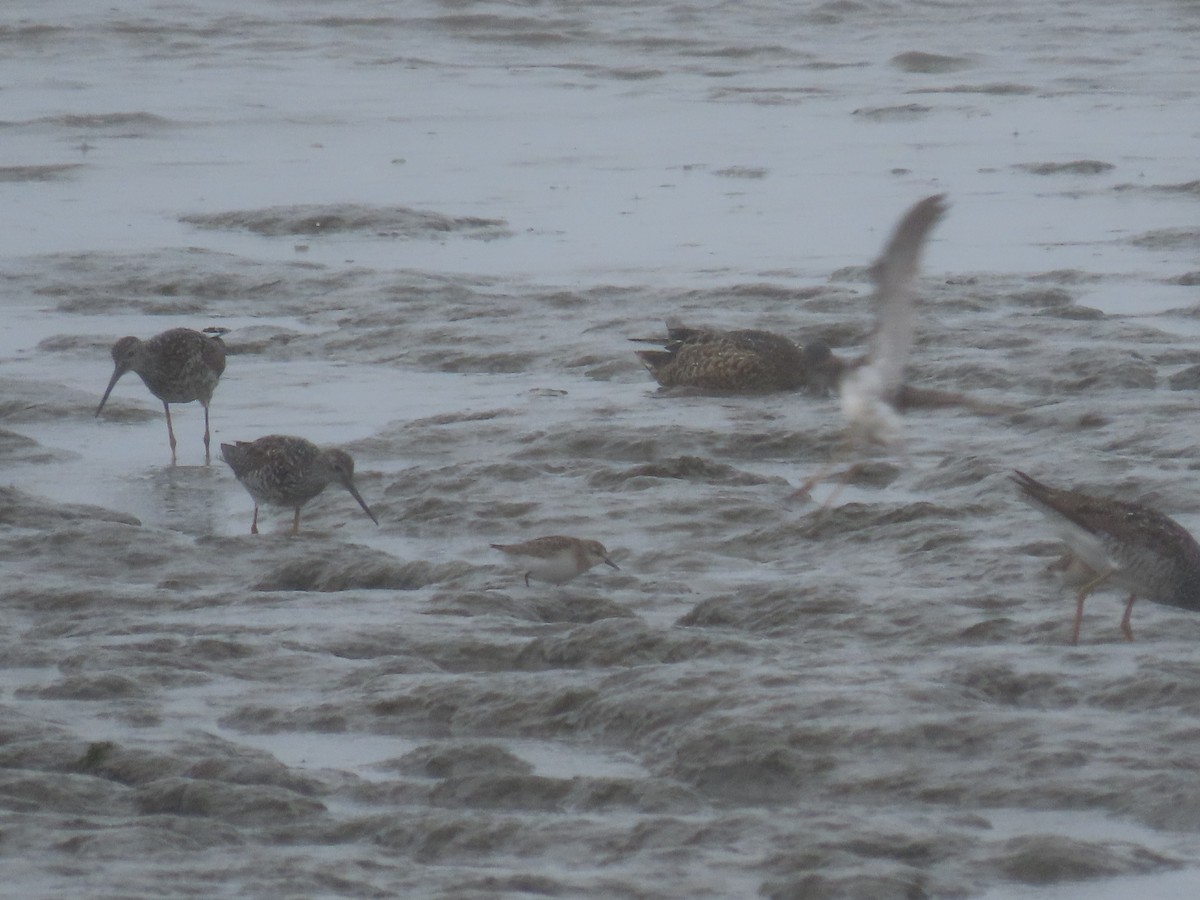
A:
(254, 523)
(843, 448)
(1126, 628)
(170, 430)
(802, 492)
(1083, 594)
(841, 485)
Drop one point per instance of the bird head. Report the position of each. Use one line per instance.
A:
(596, 554)
(125, 356)
(341, 466)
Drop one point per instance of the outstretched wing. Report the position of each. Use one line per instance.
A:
(894, 274)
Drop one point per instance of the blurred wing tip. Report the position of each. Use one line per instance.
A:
(927, 212)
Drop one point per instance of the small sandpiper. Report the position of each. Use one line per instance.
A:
(178, 366)
(557, 559)
(1126, 544)
(281, 470)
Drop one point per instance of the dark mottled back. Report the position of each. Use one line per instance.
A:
(279, 470)
(178, 366)
(1156, 557)
(283, 470)
(743, 361)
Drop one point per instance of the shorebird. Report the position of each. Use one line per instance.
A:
(280, 470)
(556, 559)
(1126, 544)
(871, 388)
(750, 361)
(178, 366)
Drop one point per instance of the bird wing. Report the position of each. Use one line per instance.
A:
(894, 273)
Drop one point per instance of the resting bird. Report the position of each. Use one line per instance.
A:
(738, 362)
(749, 361)
(872, 388)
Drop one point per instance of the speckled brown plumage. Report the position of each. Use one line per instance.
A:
(282, 470)
(178, 366)
(743, 362)
(754, 362)
(1128, 544)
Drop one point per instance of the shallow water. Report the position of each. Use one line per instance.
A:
(432, 230)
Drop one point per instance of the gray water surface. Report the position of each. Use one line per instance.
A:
(432, 229)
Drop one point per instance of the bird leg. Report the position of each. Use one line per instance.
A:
(296, 522)
(804, 492)
(843, 449)
(843, 479)
(170, 430)
(1083, 595)
(207, 457)
(254, 522)
(1126, 628)
(526, 579)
